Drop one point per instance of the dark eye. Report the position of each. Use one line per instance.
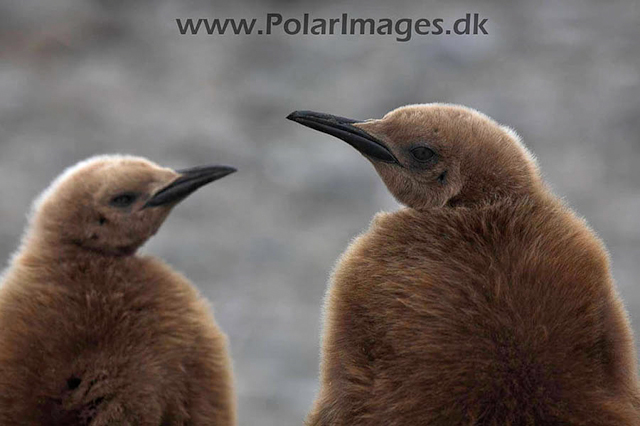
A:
(123, 200)
(422, 153)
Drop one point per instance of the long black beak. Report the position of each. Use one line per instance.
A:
(344, 129)
(189, 180)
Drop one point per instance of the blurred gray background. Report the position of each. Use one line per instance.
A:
(79, 77)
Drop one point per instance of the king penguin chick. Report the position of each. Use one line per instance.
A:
(486, 301)
(93, 334)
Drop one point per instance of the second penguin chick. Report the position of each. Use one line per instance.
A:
(93, 334)
(486, 301)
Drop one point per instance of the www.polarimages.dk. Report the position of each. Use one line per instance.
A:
(403, 28)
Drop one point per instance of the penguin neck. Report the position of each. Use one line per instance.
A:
(52, 249)
(492, 186)
(480, 195)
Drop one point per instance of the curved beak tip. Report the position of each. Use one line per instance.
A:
(347, 130)
(226, 170)
(296, 115)
(189, 181)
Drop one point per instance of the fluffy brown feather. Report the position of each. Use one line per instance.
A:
(486, 301)
(92, 334)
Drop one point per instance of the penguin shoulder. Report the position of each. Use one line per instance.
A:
(530, 232)
(176, 294)
(380, 250)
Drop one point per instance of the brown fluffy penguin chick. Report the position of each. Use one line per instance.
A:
(93, 334)
(486, 301)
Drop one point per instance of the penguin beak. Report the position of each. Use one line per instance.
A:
(343, 128)
(187, 183)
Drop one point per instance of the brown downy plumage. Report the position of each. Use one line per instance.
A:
(92, 334)
(486, 301)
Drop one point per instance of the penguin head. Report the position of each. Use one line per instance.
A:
(114, 204)
(434, 155)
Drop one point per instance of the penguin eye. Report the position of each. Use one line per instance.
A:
(422, 153)
(123, 200)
